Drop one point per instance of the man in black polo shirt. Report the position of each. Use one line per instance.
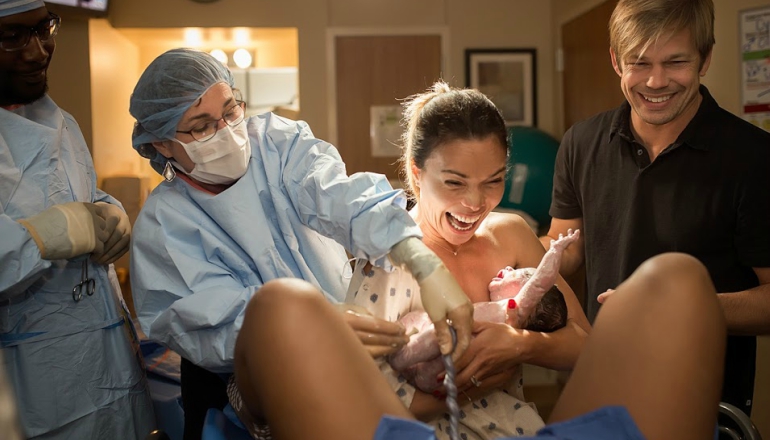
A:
(669, 170)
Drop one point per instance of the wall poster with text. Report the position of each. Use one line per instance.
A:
(755, 65)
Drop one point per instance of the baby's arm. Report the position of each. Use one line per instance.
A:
(544, 277)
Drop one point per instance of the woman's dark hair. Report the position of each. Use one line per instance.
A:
(444, 114)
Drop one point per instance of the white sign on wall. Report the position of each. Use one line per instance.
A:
(755, 66)
(385, 130)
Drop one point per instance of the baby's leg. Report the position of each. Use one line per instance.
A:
(298, 365)
(422, 347)
(657, 348)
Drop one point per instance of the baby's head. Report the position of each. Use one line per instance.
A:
(550, 314)
(509, 282)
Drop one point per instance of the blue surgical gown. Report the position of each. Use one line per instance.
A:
(197, 258)
(72, 364)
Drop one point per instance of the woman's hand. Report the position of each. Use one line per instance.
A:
(380, 337)
(491, 355)
(428, 406)
(487, 385)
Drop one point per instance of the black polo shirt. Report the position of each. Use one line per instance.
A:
(707, 195)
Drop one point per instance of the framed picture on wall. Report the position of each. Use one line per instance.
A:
(508, 78)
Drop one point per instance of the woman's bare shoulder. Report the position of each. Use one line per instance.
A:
(504, 224)
(513, 235)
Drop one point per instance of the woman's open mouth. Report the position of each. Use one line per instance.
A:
(461, 222)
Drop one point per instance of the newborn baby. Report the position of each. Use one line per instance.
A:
(523, 298)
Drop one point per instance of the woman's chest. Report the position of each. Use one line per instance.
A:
(474, 271)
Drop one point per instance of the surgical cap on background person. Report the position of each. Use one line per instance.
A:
(12, 7)
(168, 87)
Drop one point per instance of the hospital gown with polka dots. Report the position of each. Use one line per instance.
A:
(391, 295)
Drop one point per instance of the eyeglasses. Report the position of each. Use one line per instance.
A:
(15, 38)
(205, 131)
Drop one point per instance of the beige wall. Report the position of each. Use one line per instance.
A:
(482, 23)
(114, 71)
(506, 24)
(276, 48)
(102, 66)
(387, 13)
(69, 75)
(309, 16)
(723, 78)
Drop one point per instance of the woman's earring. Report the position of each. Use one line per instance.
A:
(168, 172)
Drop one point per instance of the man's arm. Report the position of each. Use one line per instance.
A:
(748, 312)
(574, 255)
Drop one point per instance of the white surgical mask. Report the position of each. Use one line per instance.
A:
(222, 159)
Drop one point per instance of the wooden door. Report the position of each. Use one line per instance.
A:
(378, 70)
(590, 84)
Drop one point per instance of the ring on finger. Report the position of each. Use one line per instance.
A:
(476, 383)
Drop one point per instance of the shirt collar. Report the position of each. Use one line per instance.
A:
(698, 133)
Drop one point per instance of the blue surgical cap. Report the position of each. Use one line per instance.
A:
(168, 87)
(12, 7)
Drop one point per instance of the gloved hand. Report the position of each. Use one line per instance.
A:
(119, 229)
(443, 299)
(67, 230)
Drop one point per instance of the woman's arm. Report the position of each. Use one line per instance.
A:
(558, 350)
(19, 257)
(427, 407)
(497, 347)
(362, 212)
(185, 296)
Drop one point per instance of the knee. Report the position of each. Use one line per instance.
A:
(281, 300)
(279, 307)
(676, 272)
(681, 283)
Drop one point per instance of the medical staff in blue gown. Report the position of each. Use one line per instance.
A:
(70, 355)
(248, 200)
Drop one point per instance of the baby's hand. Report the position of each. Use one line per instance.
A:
(603, 296)
(562, 242)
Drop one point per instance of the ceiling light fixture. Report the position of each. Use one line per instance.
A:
(242, 58)
(220, 55)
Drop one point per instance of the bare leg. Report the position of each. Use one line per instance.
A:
(657, 348)
(301, 367)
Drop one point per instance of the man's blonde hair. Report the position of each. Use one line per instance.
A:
(636, 24)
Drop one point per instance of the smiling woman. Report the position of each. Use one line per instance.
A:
(458, 187)
(246, 201)
(455, 162)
